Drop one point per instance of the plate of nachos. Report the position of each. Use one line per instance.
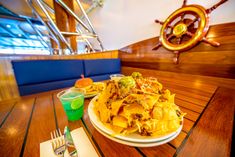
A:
(136, 109)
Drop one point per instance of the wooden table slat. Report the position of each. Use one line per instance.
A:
(191, 100)
(61, 117)
(189, 89)
(43, 122)
(178, 140)
(209, 134)
(13, 131)
(190, 114)
(189, 105)
(187, 125)
(162, 151)
(5, 110)
(212, 136)
(188, 94)
(194, 84)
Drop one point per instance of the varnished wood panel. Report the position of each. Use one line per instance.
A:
(66, 23)
(12, 132)
(161, 151)
(188, 105)
(187, 126)
(8, 86)
(203, 84)
(5, 109)
(192, 102)
(226, 70)
(213, 134)
(39, 131)
(179, 139)
(203, 59)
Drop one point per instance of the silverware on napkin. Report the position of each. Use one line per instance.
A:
(69, 143)
(58, 143)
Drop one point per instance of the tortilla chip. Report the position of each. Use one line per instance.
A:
(120, 121)
(115, 106)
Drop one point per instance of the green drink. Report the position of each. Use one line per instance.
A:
(73, 103)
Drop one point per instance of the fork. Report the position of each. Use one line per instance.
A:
(58, 143)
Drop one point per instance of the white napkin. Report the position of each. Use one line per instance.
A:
(81, 142)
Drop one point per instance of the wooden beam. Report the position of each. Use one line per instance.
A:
(66, 23)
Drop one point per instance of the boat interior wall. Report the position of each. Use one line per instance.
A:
(203, 59)
(203, 62)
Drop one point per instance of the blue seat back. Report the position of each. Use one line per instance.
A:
(35, 76)
(39, 71)
(101, 67)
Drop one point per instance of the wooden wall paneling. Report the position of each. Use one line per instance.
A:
(200, 83)
(203, 59)
(225, 70)
(8, 86)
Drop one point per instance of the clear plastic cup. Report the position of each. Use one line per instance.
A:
(73, 103)
(116, 77)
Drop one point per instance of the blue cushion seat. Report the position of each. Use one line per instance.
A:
(34, 76)
(43, 87)
(37, 71)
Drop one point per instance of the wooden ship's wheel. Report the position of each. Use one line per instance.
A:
(185, 27)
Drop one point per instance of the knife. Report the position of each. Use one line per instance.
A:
(69, 143)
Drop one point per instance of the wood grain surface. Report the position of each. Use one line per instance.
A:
(42, 117)
(5, 110)
(34, 117)
(12, 132)
(213, 134)
(202, 85)
(203, 59)
(66, 23)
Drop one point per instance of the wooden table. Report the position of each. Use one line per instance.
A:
(207, 129)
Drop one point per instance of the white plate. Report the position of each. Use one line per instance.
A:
(90, 96)
(87, 95)
(116, 77)
(135, 137)
(136, 144)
